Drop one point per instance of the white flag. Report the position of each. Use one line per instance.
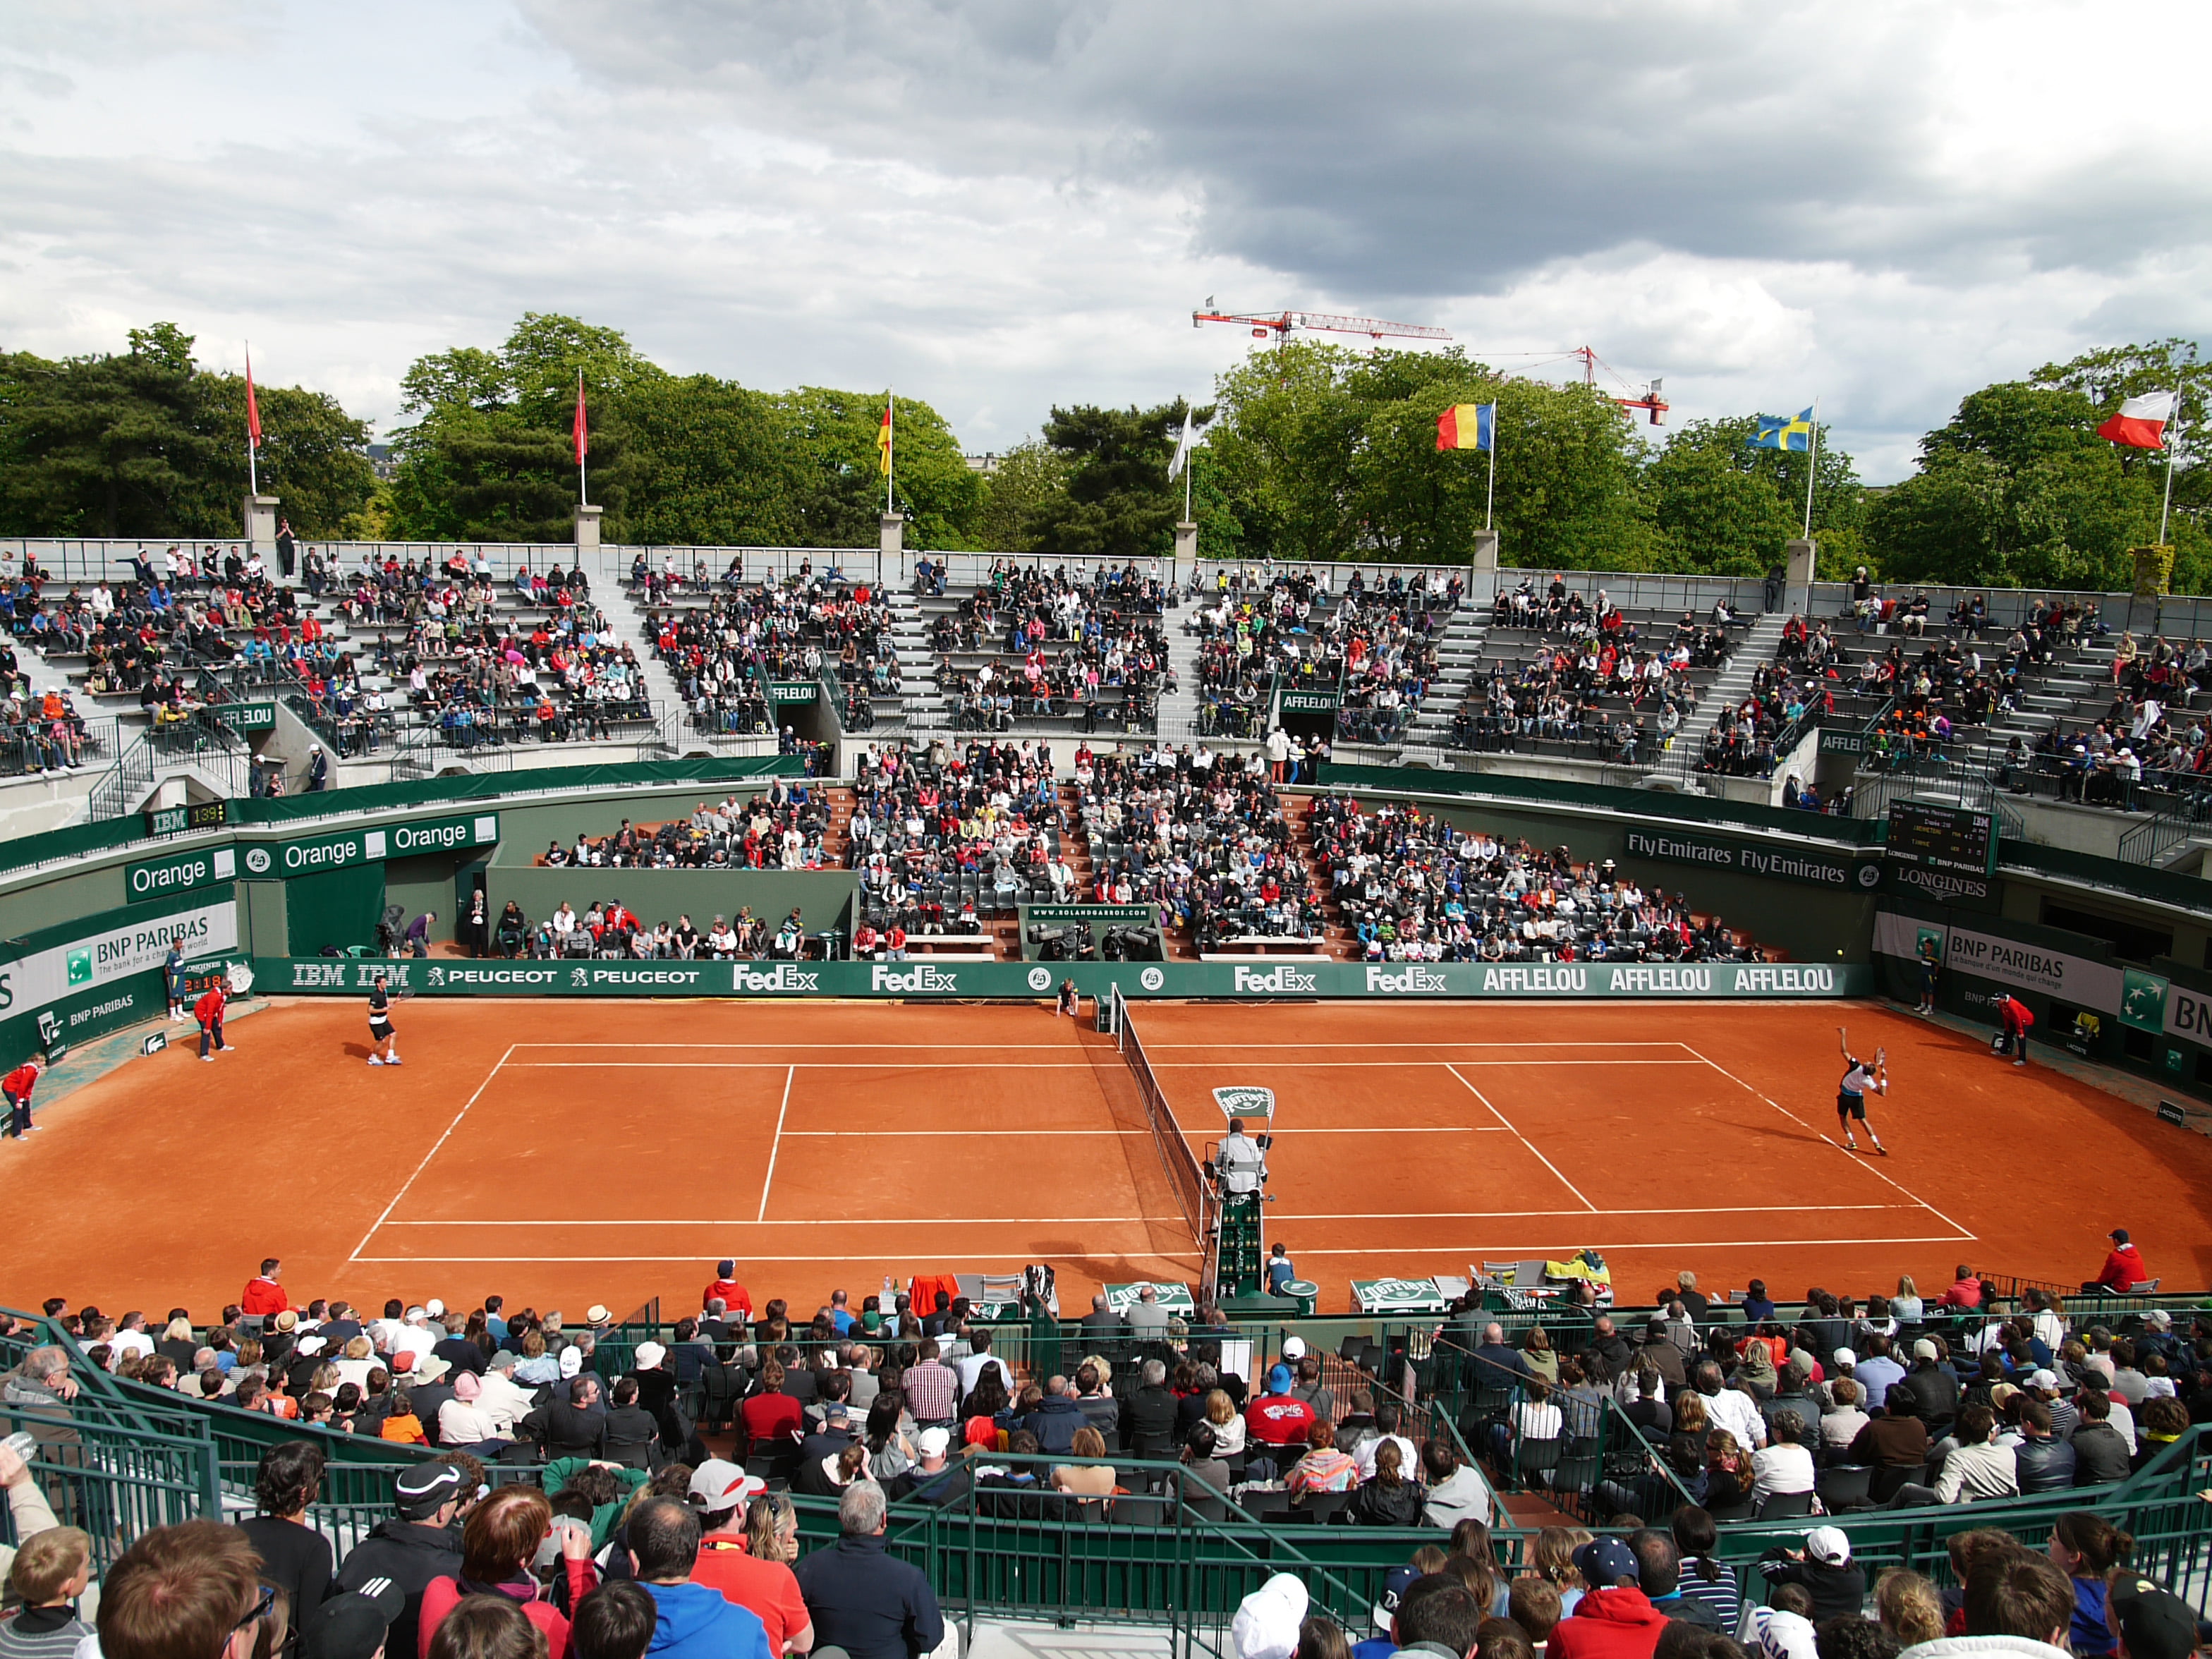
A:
(1182, 458)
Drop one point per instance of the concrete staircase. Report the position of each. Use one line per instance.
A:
(1459, 659)
(1178, 709)
(628, 623)
(919, 693)
(1732, 686)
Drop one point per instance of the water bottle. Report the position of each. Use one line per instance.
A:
(22, 1444)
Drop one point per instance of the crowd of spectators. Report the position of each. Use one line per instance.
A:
(1412, 887)
(789, 629)
(942, 833)
(1056, 645)
(1594, 682)
(1202, 835)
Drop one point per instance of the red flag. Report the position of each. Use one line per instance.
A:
(583, 433)
(253, 408)
(2141, 423)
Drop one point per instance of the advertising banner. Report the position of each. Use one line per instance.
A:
(2077, 981)
(1837, 870)
(985, 979)
(388, 841)
(1102, 915)
(69, 962)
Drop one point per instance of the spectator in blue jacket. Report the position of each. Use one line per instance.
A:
(861, 1598)
(694, 1621)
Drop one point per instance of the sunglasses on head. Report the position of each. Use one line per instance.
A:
(263, 1604)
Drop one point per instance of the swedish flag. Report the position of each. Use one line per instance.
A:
(1780, 432)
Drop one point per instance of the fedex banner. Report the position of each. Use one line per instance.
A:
(1309, 978)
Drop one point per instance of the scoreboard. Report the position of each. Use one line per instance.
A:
(1939, 837)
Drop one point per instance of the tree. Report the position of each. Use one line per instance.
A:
(1119, 504)
(1027, 476)
(706, 462)
(1724, 507)
(146, 444)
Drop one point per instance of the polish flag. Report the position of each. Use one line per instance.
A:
(2140, 423)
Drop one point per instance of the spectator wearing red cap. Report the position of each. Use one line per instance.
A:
(2124, 1267)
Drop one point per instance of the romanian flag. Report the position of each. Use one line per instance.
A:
(1468, 426)
(2140, 423)
(883, 441)
(1780, 432)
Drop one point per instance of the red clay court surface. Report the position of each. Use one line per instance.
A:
(567, 1153)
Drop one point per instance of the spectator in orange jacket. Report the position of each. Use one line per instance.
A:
(2124, 1267)
(265, 1298)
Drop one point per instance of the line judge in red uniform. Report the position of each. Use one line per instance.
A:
(16, 1086)
(265, 1298)
(737, 1301)
(2124, 1266)
(208, 1011)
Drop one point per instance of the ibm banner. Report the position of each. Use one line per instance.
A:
(1290, 979)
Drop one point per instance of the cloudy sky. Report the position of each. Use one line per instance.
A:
(997, 204)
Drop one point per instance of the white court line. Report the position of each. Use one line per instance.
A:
(1508, 1215)
(1496, 1249)
(1063, 1134)
(1524, 1139)
(1963, 1233)
(1399, 1064)
(776, 1146)
(427, 1155)
(845, 1221)
(846, 1255)
(992, 1048)
(827, 1065)
(1655, 1042)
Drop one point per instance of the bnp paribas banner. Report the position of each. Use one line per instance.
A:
(84, 977)
(1288, 980)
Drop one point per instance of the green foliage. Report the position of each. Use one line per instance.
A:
(1724, 507)
(2018, 491)
(467, 474)
(705, 463)
(1119, 503)
(1027, 476)
(145, 443)
(1326, 452)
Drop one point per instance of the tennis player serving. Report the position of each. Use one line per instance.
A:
(1859, 1079)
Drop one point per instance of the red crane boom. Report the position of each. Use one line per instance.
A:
(1281, 322)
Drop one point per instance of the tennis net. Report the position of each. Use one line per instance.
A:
(1180, 1164)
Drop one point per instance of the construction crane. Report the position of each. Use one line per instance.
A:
(1281, 322)
(1651, 403)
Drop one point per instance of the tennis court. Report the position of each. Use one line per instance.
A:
(567, 1153)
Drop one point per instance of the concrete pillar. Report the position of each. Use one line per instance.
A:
(587, 531)
(1799, 558)
(1482, 578)
(1186, 552)
(890, 545)
(260, 521)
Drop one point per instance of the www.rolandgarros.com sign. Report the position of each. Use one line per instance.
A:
(1841, 872)
(1314, 979)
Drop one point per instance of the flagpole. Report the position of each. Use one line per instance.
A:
(2166, 506)
(1490, 498)
(1811, 466)
(253, 469)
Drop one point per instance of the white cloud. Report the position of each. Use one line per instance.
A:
(997, 204)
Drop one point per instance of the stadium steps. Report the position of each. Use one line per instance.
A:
(837, 839)
(1754, 651)
(918, 687)
(614, 603)
(1342, 945)
(1459, 659)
